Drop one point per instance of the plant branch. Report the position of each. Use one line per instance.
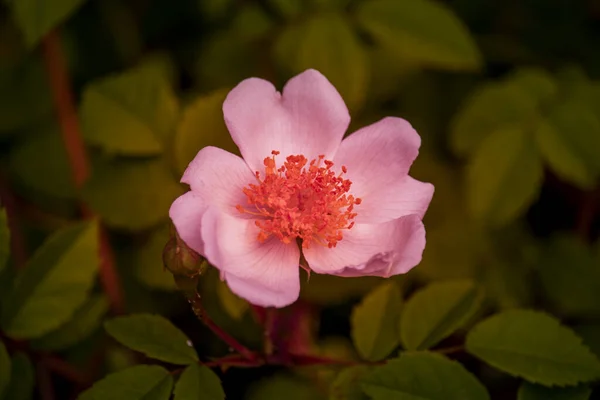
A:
(196, 303)
(56, 69)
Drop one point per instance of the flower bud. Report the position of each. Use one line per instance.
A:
(181, 260)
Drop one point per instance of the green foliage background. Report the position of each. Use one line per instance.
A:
(506, 97)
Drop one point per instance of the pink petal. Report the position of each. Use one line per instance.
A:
(265, 274)
(310, 118)
(218, 177)
(385, 249)
(186, 213)
(378, 158)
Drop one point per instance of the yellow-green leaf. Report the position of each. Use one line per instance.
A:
(535, 346)
(421, 31)
(528, 391)
(375, 322)
(198, 382)
(22, 379)
(201, 125)
(55, 282)
(503, 177)
(142, 382)
(436, 311)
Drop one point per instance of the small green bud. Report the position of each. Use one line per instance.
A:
(181, 260)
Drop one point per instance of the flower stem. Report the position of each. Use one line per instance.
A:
(196, 303)
(56, 69)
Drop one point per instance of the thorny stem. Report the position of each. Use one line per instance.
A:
(196, 303)
(56, 69)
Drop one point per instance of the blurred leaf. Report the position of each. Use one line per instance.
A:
(327, 43)
(251, 22)
(282, 386)
(54, 284)
(25, 97)
(148, 263)
(36, 18)
(504, 177)
(528, 391)
(335, 290)
(142, 382)
(288, 8)
(375, 322)
(131, 194)
(202, 124)
(346, 385)
(23, 379)
(574, 129)
(198, 382)
(490, 108)
(83, 323)
(132, 113)
(423, 375)
(590, 333)
(421, 31)
(235, 306)
(536, 82)
(534, 346)
(4, 239)
(570, 277)
(5, 369)
(33, 168)
(562, 159)
(435, 312)
(507, 283)
(154, 336)
(214, 9)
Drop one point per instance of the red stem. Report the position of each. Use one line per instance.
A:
(198, 308)
(80, 168)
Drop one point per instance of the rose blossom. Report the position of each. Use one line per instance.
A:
(348, 206)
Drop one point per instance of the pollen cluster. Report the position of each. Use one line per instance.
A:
(301, 200)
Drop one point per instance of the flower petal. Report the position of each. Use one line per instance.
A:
(186, 213)
(218, 178)
(309, 118)
(265, 274)
(378, 158)
(385, 249)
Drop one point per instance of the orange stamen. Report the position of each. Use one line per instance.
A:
(301, 200)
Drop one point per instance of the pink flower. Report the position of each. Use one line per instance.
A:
(349, 206)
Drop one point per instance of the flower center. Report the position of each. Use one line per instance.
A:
(300, 201)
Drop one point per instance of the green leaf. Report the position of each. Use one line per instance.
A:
(36, 18)
(528, 391)
(83, 323)
(130, 114)
(569, 142)
(251, 23)
(54, 284)
(148, 264)
(154, 336)
(573, 291)
(25, 98)
(235, 306)
(132, 194)
(282, 386)
(23, 379)
(561, 157)
(40, 174)
(435, 312)
(425, 32)
(4, 239)
(346, 385)
(489, 108)
(199, 382)
(5, 369)
(142, 382)
(538, 83)
(534, 346)
(327, 43)
(590, 334)
(202, 124)
(504, 177)
(375, 322)
(423, 375)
